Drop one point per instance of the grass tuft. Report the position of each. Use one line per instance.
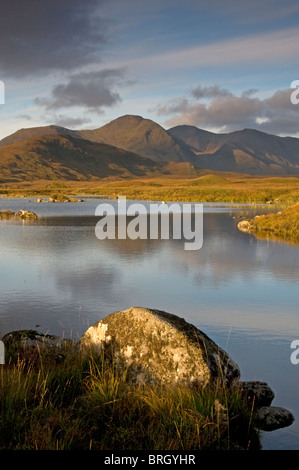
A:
(81, 403)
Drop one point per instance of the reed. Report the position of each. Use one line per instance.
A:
(80, 402)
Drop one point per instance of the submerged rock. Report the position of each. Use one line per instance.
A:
(157, 347)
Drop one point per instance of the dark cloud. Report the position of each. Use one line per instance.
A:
(249, 92)
(47, 35)
(92, 90)
(210, 92)
(228, 112)
(178, 105)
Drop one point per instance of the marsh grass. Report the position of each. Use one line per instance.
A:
(210, 187)
(80, 402)
(283, 225)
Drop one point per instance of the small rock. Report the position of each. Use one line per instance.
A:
(26, 215)
(33, 338)
(245, 226)
(269, 418)
(6, 214)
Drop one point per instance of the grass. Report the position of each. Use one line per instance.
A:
(283, 225)
(206, 188)
(79, 402)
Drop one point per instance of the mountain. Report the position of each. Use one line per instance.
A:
(27, 133)
(65, 157)
(246, 151)
(132, 146)
(141, 136)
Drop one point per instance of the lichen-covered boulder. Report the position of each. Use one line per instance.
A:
(157, 347)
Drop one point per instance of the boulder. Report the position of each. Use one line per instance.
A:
(270, 418)
(257, 393)
(157, 347)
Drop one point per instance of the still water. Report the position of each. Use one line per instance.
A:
(57, 277)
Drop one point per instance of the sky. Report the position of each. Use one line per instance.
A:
(217, 65)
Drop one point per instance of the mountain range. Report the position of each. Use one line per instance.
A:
(131, 146)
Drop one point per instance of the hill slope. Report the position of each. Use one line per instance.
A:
(64, 157)
(27, 133)
(246, 151)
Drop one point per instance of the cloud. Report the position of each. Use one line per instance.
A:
(177, 105)
(92, 90)
(240, 52)
(26, 117)
(38, 36)
(69, 121)
(228, 112)
(210, 92)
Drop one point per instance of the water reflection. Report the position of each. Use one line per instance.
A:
(241, 291)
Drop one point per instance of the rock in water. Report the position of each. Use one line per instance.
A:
(26, 215)
(269, 418)
(157, 347)
(257, 393)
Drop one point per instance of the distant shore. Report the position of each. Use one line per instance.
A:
(282, 226)
(210, 187)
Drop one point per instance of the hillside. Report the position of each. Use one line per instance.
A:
(246, 151)
(141, 136)
(53, 157)
(27, 133)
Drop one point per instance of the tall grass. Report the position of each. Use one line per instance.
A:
(81, 402)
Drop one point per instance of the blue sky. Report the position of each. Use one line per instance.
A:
(221, 66)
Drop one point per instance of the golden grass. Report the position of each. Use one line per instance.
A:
(283, 225)
(206, 188)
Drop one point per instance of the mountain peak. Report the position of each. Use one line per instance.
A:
(143, 136)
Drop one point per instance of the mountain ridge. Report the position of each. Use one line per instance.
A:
(246, 151)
